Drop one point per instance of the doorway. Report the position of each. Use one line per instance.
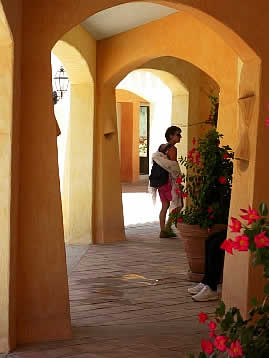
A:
(144, 137)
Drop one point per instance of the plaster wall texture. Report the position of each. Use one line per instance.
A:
(77, 52)
(216, 31)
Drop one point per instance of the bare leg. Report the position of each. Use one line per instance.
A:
(163, 212)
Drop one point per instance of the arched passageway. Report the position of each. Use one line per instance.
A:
(212, 60)
(168, 98)
(209, 51)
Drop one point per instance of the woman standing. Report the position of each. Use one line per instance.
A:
(164, 174)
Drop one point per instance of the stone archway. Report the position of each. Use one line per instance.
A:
(73, 50)
(215, 57)
(43, 217)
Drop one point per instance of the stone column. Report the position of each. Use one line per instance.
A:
(42, 300)
(108, 225)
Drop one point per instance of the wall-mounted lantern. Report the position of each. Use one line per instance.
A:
(61, 84)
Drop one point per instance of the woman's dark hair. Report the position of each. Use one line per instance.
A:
(171, 131)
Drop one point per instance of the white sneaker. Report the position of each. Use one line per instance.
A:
(196, 289)
(206, 295)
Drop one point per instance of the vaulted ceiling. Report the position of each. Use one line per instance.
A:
(123, 18)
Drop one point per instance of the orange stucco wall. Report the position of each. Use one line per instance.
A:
(129, 141)
(37, 232)
(129, 103)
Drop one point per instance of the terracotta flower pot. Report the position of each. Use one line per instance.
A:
(194, 244)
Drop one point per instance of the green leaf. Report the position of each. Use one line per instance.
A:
(254, 301)
(192, 355)
(220, 311)
(266, 289)
(263, 210)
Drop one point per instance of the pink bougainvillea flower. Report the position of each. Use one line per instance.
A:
(220, 343)
(193, 141)
(192, 151)
(261, 240)
(207, 346)
(212, 325)
(210, 209)
(211, 216)
(251, 215)
(179, 180)
(235, 350)
(212, 334)
(228, 245)
(267, 122)
(226, 156)
(222, 180)
(241, 243)
(236, 225)
(178, 191)
(180, 220)
(203, 317)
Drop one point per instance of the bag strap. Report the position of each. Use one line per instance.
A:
(165, 148)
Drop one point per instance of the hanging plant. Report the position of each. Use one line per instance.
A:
(214, 111)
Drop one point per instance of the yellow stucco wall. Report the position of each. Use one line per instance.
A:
(77, 52)
(37, 232)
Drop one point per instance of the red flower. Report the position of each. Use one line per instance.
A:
(236, 225)
(174, 211)
(211, 216)
(193, 150)
(203, 317)
(228, 245)
(193, 141)
(251, 215)
(222, 180)
(267, 122)
(220, 343)
(179, 180)
(209, 230)
(235, 350)
(261, 240)
(178, 191)
(180, 220)
(184, 195)
(212, 334)
(226, 156)
(241, 243)
(210, 209)
(207, 347)
(212, 325)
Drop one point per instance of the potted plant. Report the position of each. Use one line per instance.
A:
(230, 335)
(207, 185)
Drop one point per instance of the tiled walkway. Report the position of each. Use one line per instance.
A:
(129, 300)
